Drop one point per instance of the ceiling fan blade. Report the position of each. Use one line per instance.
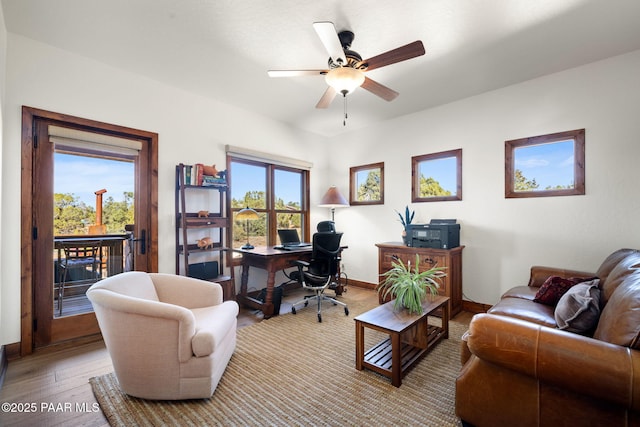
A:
(327, 98)
(381, 90)
(402, 53)
(296, 73)
(329, 38)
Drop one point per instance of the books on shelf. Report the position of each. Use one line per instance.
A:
(193, 175)
(212, 180)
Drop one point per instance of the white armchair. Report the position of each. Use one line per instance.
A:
(169, 337)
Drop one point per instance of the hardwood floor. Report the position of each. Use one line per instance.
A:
(53, 383)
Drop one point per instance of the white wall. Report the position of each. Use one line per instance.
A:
(191, 129)
(503, 238)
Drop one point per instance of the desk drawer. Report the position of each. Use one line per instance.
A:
(426, 261)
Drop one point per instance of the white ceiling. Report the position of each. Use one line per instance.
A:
(223, 48)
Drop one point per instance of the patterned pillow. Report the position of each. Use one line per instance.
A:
(554, 288)
(579, 308)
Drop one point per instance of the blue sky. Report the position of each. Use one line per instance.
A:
(83, 176)
(250, 178)
(549, 164)
(442, 170)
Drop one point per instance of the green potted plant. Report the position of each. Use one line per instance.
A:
(410, 286)
(405, 220)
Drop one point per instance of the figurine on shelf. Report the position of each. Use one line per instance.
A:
(203, 214)
(204, 243)
(210, 170)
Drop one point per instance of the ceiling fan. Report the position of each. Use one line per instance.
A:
(346, 68)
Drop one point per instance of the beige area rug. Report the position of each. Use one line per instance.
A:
(291, 370)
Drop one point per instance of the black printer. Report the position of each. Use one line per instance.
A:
(438, 234)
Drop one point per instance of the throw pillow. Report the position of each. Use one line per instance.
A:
(579, 308)
(554, 288)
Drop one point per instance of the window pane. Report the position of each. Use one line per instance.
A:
(438, 177)
(288, 190)
(278, 195)
(249, 186)
(290, 220)
(544, 167)
(76, 180)
(257, 231)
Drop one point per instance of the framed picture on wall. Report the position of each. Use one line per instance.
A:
(437, 177)
(366, 184)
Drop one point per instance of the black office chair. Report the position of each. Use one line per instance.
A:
(292, 276)
(320, 271)
(326, 226)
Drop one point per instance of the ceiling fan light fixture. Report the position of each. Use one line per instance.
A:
(344, 79)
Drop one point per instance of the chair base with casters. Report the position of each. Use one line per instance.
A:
(321, 284)
(319, 297)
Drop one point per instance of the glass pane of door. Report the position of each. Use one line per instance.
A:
(92, 222)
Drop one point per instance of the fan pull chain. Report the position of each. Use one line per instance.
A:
(344, 121)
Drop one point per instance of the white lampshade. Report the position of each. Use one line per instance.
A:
(344, 79)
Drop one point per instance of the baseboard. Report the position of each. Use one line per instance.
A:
(359, 284)
(474, 307)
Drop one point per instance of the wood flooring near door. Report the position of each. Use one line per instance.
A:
(55, 381)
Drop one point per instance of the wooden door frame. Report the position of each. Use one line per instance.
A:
(27, 286)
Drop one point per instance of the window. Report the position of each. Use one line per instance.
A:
(437, 177)
(279, 194)
(545, 165)
(366, 186)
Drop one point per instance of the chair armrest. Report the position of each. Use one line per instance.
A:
(540, 273)
(300, 263)
(186, 291)
(569, 361)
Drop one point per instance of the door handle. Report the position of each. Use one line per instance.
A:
(143, 241)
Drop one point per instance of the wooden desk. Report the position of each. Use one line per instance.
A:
(272, 260)
(410, 337)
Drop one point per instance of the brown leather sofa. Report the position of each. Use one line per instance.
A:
(519, 369)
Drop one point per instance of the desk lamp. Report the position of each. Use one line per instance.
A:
(333, 199)
(247, 214)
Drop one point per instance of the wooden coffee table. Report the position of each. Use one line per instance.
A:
(410, 337)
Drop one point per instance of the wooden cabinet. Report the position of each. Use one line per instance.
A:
(451, 285)
(202, 232)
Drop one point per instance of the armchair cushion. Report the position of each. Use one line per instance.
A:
(579, 308)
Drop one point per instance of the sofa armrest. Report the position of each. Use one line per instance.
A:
(563, 359)
(186, 291)
(540, 273)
